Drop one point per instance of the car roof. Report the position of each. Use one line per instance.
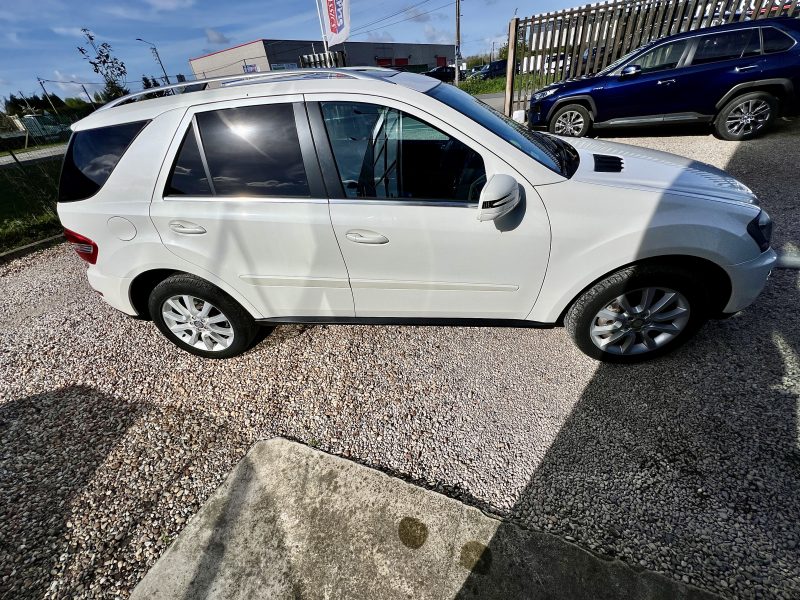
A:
(145, 105)
(775, 21)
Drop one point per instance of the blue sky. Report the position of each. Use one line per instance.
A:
(39, 37)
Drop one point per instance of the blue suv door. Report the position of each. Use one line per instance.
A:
(649, 93)
(716, 63)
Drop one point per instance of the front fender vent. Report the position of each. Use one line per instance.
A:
(604, 163)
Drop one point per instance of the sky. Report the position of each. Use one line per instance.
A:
(39, 38)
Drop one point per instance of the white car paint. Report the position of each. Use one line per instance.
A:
(290, 257)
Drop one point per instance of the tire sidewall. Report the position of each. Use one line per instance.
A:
(581, 315)
(720, 123)
(587, 119)
(244, 328)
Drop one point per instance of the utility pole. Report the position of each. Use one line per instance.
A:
(24, 99)
(458, 41)
(88, 96)
(491, 54)
(154, 50)
(46, 95)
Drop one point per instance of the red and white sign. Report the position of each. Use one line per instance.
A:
(336, 20)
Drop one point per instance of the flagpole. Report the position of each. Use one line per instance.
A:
(322, 26)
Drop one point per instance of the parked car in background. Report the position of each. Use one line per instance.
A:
(496, 68)
(737, 77)
(383, 197)
(446, 74)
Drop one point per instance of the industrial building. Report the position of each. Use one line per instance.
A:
(272, 55)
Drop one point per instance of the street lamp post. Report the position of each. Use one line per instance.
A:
(154, 50)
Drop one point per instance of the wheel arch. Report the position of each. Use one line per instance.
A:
(719, 282)
(583, 100)
(781, 88)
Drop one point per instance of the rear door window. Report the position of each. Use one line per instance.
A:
(188, 176)
(775, 40)
(728, 45)
(253, 151)
(91, 157)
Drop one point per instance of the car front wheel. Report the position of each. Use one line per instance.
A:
(746, 116)
(637, 314)
(572, 120)
(200, 318)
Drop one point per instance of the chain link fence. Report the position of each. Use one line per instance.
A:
(31, 151)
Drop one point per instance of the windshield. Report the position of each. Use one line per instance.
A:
(551, 152)
(619, 61)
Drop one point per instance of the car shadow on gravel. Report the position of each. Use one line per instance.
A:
(50, 446)
(689, 465)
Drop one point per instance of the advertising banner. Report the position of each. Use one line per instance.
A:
(336, 20)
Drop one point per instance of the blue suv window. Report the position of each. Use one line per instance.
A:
(727, 46)
(775, 40)
(663, 57)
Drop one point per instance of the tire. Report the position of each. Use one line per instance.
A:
(572, 120)
(628, 331)
(216, 326)
(746, 116)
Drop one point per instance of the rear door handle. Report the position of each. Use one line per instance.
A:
(186, 227)
(365, 236)
(666, 81)
(745, 68)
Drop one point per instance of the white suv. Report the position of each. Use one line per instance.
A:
(371, 196)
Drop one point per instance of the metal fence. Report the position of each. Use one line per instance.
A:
(31, 151)
(579, 41)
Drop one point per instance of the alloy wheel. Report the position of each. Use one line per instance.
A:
(198, 323)
(748, 117)
(640, 321)
(569, 123)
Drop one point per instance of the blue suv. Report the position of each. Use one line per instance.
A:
(738, 77)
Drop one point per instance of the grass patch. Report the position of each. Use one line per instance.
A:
(498, 84)
(28, 203)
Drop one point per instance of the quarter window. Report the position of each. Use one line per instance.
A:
(253, 151)
(384, 153)
(664, 57)
(775, 40)
(188, 176)
(727, 46)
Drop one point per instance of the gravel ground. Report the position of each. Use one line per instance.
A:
(110, 438)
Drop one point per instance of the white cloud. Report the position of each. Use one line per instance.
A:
(215, 37)
(437, 36)
(380, 36)
(68, 31)
(170, 4)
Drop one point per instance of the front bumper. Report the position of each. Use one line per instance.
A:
(537, 115)
(748, 280)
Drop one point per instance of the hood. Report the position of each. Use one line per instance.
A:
(654, 171)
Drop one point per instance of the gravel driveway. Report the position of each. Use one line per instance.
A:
(110, 438)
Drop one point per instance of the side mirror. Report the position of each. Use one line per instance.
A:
(498, 197)
(631, 70)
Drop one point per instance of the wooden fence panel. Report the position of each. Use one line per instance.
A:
(551, 47)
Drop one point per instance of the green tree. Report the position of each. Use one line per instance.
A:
(105, 64)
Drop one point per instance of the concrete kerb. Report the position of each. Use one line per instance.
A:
(291, 521)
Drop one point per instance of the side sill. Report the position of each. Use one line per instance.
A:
(434, 322)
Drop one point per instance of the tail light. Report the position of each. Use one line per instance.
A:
(85, 247)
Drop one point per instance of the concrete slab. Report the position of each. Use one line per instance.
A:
(293, 522)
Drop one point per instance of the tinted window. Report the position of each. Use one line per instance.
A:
(384, 153)
(188, 176)
(253, 151)
(726, 46)
(91, 157)
(664, 57)
(775, 40)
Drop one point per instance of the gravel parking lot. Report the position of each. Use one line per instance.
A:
(110, 438)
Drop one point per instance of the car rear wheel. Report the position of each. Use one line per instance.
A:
(746, 116)
(637, 314)
(572, 120)
(200, 318)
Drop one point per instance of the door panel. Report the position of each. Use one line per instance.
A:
(267, 231)
(407, 217)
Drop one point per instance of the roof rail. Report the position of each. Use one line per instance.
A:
(355, 72)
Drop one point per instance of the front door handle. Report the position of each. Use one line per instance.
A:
(186, 227)
(666, 81)
(365, 236)
(745, 68)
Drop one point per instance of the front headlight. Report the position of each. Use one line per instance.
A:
(544, 94)
(760, 229)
